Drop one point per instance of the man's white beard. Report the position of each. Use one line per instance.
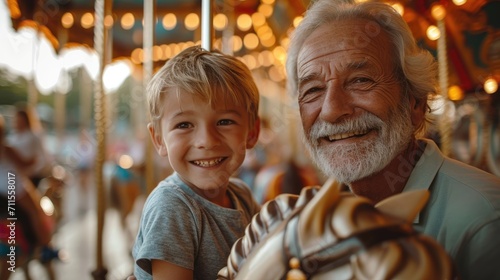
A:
(351, 162)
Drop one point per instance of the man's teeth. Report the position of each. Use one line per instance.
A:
(208, 163)
(345, 135)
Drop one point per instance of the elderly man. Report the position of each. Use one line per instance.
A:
(363, 87)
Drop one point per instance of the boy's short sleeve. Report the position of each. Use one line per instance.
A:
(245, 196)
(164, 236)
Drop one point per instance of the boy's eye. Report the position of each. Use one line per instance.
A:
(225, 122)
(183, 125)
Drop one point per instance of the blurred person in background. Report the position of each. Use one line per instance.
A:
(28, 228)
(29, 146)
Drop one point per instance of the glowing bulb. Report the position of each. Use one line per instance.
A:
(47, 206)
(244, 22)
(220, 22)
(192, 21)
(438, 12)
(127, 21)
(87, 20)
(169, 21)
(297, 20)
(399, 8)
(125, 161)
(433, 33)
(108, 21)
(459, 2)
(67, 20)
(455, 93)
(490, 86)
(251, 41)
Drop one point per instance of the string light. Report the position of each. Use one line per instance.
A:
(169, 21)
(67, 20)
(459, 2)
(87, 20)
(244, 22)
(490, 86)
(192, 21)
(433, 33)
(438, 12)
(220, 22)
(127, 21)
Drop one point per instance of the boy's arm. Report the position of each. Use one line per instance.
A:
(166, 270)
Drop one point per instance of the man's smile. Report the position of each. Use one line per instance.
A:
(345, 135)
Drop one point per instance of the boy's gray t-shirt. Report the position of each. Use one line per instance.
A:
(181, 227)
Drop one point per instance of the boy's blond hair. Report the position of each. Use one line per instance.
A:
(204, 73)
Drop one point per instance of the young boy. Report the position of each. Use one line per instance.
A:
(204, 116)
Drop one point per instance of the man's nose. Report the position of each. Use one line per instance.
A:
(337, 104)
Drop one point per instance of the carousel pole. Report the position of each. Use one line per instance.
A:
(148, 41)
(445, 129)
(32, 97)
(102, 7)
(228, 32)
(207, 32)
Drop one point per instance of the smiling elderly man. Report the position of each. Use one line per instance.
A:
(363, 87)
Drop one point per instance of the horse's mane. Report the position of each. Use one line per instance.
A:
(334, 234)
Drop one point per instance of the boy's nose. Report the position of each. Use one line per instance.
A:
(206, 138)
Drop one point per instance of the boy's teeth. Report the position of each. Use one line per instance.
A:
(207, 163)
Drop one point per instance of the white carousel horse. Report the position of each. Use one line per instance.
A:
(328, 234)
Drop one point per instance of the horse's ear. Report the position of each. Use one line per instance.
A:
(405, 205)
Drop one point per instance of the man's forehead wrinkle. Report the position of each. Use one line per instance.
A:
(354, 65)
(306, 67)
(305, 74)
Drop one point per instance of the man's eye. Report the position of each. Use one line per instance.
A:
(308, 94)
(225, 122)
(361, 80)
(312, 90)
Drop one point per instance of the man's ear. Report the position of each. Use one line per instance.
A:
(253, 134)
(157, 141)
(417, 111)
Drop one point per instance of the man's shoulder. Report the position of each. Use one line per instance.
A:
(462, 181)
(463, 200)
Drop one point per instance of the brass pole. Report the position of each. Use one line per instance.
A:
(148, 41)
(206, 24)
(102, 7)
(445, 123)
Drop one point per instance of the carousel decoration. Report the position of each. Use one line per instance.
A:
(328, 234)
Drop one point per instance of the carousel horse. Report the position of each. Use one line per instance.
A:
(328, 234)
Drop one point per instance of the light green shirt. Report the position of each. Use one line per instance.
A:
(463, 211)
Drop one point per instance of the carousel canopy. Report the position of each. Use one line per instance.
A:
(254, 26)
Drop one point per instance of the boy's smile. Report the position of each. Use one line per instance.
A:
(208, 163)
(205, 143)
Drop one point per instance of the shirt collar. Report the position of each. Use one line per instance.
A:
(425, 169)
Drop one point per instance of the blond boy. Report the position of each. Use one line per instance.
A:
(203, 109)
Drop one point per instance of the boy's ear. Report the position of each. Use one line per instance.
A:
(157, 141)
(253, 134)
